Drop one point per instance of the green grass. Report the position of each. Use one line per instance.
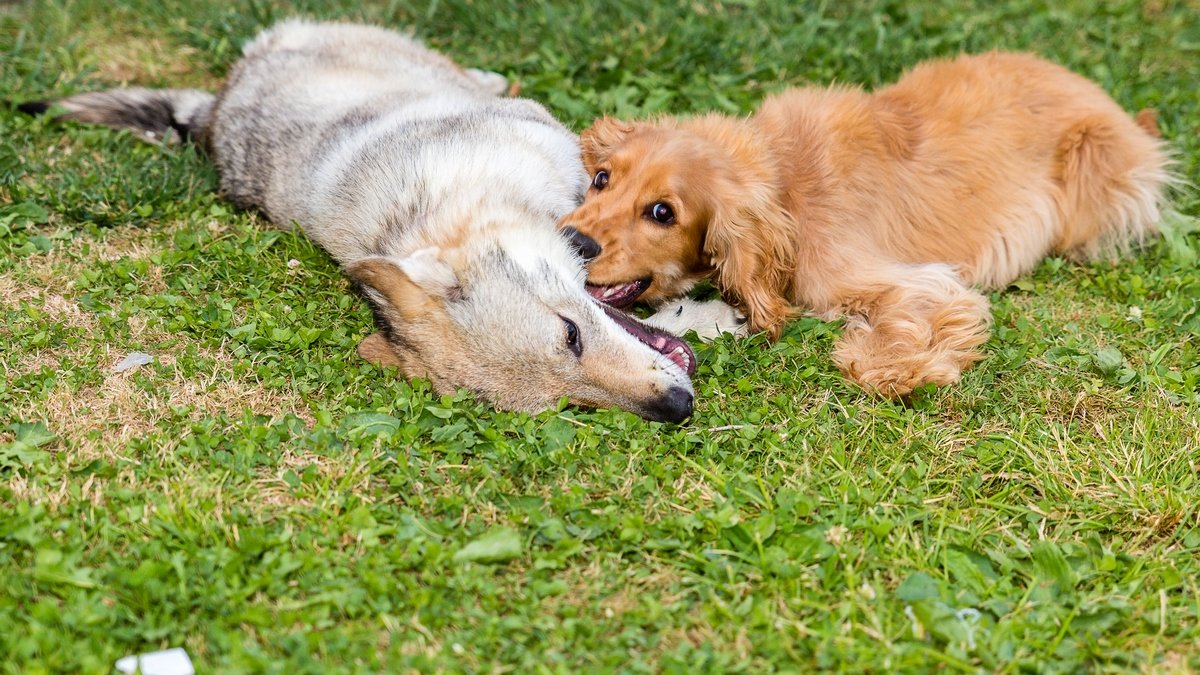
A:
(262, 498)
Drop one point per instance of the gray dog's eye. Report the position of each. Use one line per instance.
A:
(573, 337)
(601, 180)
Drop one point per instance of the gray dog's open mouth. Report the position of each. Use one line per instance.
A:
(675, 349)
(619, 295)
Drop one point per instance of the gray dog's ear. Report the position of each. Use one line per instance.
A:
(408, 285)
(375, 349)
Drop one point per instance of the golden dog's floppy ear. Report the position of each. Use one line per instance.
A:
(598, 141)
(750, 243)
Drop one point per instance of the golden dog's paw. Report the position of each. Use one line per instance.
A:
(893, 363)
(897, 380)
(925, 329)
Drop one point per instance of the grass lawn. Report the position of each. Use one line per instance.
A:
(260, 497)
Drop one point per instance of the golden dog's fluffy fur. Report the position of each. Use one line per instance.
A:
(886, 208)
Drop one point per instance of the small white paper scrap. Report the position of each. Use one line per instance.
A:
(167, 662)
(134, 360)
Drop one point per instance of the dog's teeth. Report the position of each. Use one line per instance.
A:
(680, 358)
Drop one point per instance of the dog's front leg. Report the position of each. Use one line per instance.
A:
(709, 319)
(910, 326)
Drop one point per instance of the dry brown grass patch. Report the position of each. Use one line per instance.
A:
(149, 60)
(273, 491)
(54, 273)
(98, 421)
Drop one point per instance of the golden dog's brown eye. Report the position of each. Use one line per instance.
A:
(601, 180)
(661, 213)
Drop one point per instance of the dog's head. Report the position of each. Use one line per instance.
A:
(511, 321)
(671, 204)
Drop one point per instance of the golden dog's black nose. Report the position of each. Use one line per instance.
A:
(588, 248)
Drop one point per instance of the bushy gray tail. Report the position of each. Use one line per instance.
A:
(157, 115)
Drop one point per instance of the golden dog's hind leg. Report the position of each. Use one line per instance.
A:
(909, 325)
(1112, 172)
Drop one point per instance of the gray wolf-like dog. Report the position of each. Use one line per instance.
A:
(437, 196)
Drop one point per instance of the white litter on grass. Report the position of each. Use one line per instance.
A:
(133, 360)
(918, 630)
(167, 662)
(969, 618)
(293, 263)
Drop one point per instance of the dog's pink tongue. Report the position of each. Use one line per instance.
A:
(676, 350)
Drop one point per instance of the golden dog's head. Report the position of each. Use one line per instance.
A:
(674, 202)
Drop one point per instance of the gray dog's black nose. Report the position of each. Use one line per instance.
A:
(588, 248)
(674, 406)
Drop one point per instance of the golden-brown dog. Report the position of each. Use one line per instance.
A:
(887, 208)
